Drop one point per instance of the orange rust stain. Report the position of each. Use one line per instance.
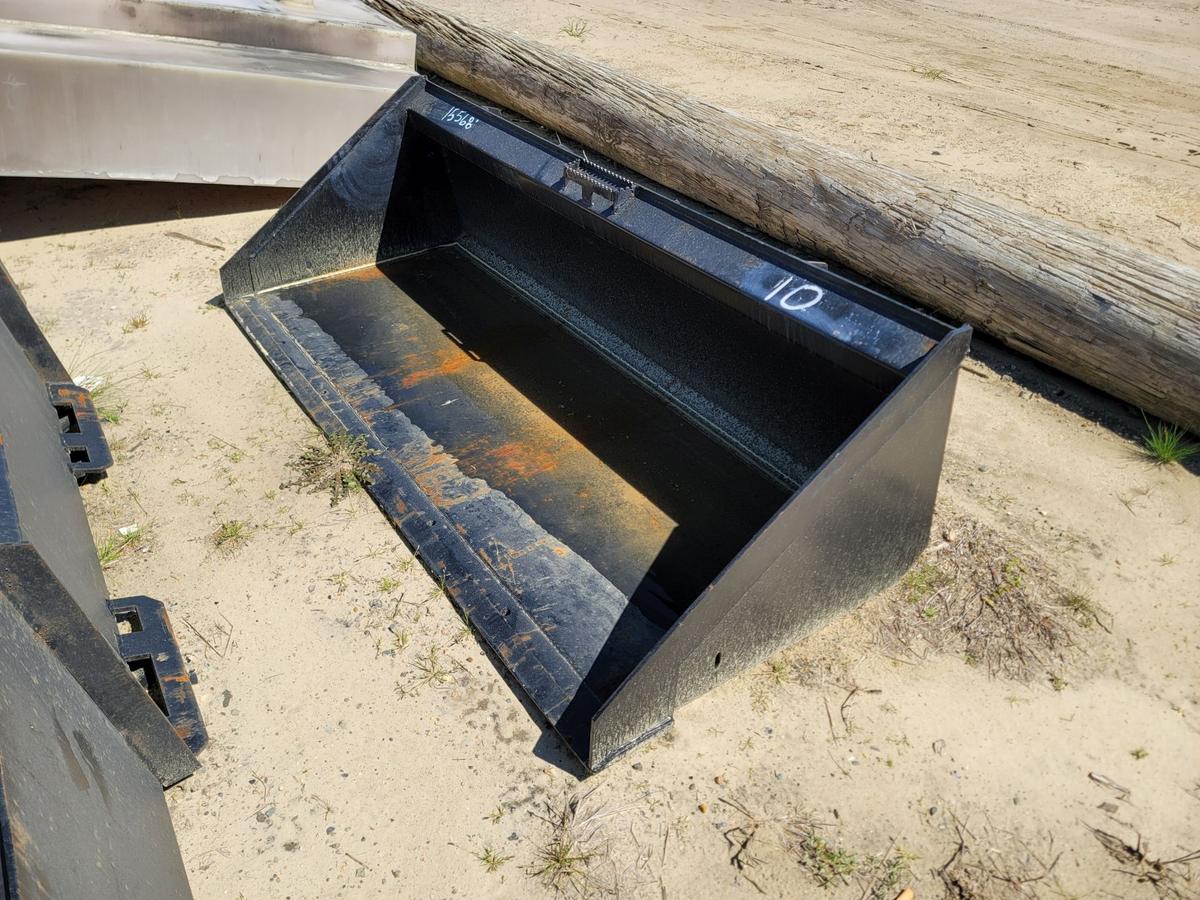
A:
(369, 415)
(445, 361)
(519, 459)
(433, 476)
(439, 473)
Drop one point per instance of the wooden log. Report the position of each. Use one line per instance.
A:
(1118, 318)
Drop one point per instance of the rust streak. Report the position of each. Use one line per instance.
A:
(445, 361)
(520, 459)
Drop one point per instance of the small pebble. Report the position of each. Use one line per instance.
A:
(703, 807)
(720, 779)
(637, 767)
(933, 810)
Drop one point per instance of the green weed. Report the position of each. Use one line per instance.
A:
(1164, 444)
(575, 28)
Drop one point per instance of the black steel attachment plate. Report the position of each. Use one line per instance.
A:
(83, 438)
(148, 644)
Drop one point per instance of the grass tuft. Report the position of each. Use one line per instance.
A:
(109, 407)
(464, 629)
(560, 863)
(230, 536)
(827, 864)
(575, 28)
(576, 845)
(1164, 444)
(340, 467)
(491, 860)
(777, 671)
(874, 876)
(114, 547)
(137, 323)
(429, 670)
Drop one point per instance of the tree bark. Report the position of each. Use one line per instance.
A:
(1120, 319)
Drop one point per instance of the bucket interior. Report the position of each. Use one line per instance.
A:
(637, 419)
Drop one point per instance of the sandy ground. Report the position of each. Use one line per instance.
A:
(1082, 110)
(325, 780)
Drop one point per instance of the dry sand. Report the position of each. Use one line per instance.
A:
(324, 780)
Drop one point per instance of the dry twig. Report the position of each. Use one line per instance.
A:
(1171, 879)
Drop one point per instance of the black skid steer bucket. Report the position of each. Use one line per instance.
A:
(640, 448)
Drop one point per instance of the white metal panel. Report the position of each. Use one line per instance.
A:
(83, 101)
